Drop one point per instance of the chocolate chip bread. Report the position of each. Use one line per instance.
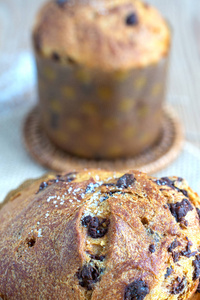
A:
(117, 35)
(100, 235)
(102, 68)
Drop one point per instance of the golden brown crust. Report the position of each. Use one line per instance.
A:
(85, 35)
(145, 236)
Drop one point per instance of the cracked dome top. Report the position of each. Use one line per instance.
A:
(100, 235)
(110, 35)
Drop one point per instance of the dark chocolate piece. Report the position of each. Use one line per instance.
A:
(61, 3)
(137, 290)
(132, 19)
(170, 183)
(152, 248)
(31, 242)
(198, 212)
(198, 288)
(97, 257)
(88, 276)
(173, 245)
(125, 181)
(55, 56)
(188, 252)
(69, 177)
(178, 286)
(97, 228)
(196, 264)
(168, 272)
(180, 209)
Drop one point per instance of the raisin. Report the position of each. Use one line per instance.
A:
(137, 290)
(132, 19)
(88, 276)
(180, 209)
(152, 248)
(196, 264)
(125, 181)
(97, 228)
(168, 272)
(178, 286)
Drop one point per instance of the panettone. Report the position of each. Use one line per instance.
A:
(102, 68)
(100, 235)
(116, 35)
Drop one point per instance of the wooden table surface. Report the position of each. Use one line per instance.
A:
(16, 19)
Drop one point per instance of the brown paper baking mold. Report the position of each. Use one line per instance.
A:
(156, 158)
(96, 114)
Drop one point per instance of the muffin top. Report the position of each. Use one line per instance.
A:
(107, 35)
(94, 233)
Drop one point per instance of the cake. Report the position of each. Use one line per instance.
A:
(102, 68)
(97, 235)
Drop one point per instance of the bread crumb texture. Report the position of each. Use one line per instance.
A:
(94, 234)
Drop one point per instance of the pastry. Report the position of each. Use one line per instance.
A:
(101, 75)
(97, 235)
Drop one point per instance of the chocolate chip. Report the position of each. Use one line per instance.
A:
(137, 290)
(125, 181)
(198, 212)
(175, 256)
(97, 228)
(69, 177)
(88, 276)
(198, 288)
(178, 286)
(168, 272)
(188, 253)
(170, 183)
(196, 264)
(55, 56)
(108, 184)
(45, 184)
(184, 192)
(97, 257)
(174, 245)
(180, 209)
(61, 3)
(152, 248)
(31, 242)
(132, 19)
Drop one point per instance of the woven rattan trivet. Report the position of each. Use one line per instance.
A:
(153, 160)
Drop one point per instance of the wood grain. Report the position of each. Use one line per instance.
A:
(16, 19)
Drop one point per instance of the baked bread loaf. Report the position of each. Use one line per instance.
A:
(118, 35)
(100, 235)
(102, 69)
